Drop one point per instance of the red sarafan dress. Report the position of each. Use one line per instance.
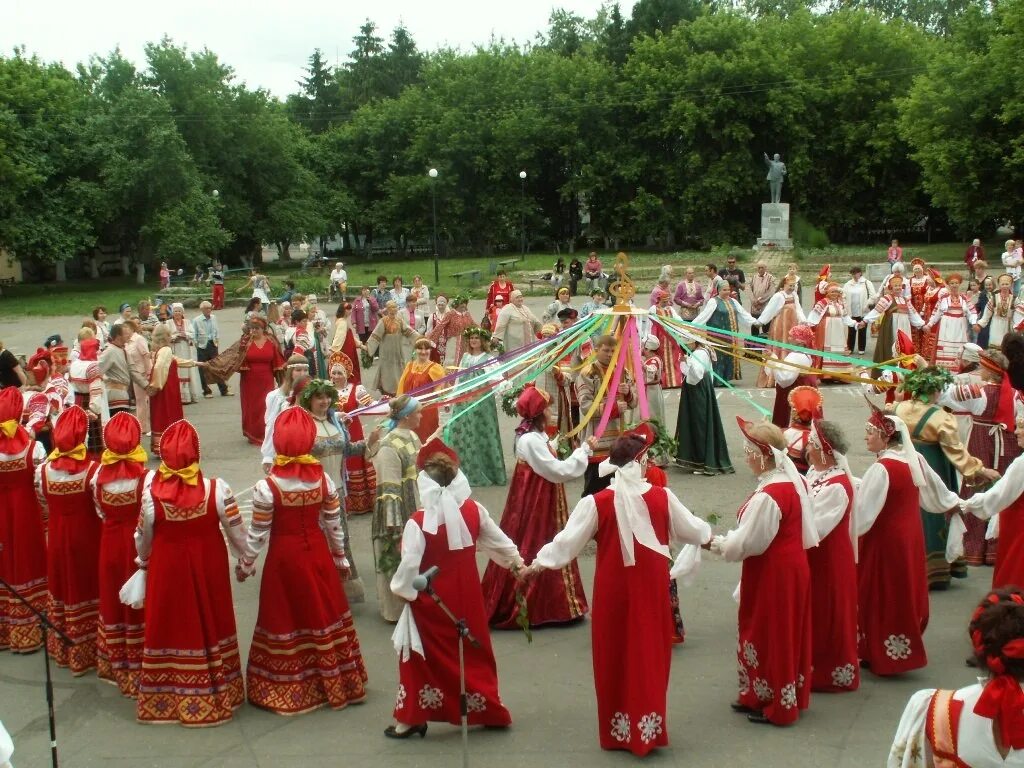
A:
(304, 651)
(72, 563)
(191, 671)
(774, 650)
(835, 662)
(361, 477)
(428, 687)
(23, 557)
(257, 379)
(536, 510)
(164, 406)
(1006, 499)
(892, 582)
(121, 627)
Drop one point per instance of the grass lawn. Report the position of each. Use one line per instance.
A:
(79, 297)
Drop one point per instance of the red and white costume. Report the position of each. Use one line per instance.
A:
(73, 543)
(831, 319)
(23, 560)
(1002, 314)
(447, 533)
(892, 582)
(87, 384)
(1005, 499)
(954, 316)
(634, 524)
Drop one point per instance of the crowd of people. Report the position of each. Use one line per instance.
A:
(132, 563)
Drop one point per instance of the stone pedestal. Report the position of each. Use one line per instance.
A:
(775, 227)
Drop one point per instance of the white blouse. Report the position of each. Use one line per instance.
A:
(758, 526)
(696, 365)
(829, 499)
(775, 305)
(1006, 490)
(532, 448)
(874, 491)
(784, 374)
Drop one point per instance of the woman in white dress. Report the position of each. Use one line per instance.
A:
(831, 319)
(296, 369)
(516, 326)
(780, 314)
(980, 725)
(954, 317)
(183, 345)
(260, 286)
(1002, 313)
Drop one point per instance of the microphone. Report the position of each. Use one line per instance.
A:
(421, 582)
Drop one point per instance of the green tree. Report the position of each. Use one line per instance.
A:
(318, 104)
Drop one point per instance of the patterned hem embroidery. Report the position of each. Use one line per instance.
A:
(620, 726)
(650, 727)
(897, 647)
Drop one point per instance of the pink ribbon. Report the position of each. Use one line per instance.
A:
(613, 388)
(633, 340)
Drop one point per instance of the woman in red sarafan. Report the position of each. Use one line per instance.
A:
(535, 511)
(833, 564)
(191, 671)
(164, 393)
(117, 493)
(73, 543)
(774, 527)
(304, 652)
(633, 522)
(446, 533)
(262, 360)
(23, 561)
(892, 581)
(359, 477)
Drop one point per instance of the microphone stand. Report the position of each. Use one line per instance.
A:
(45, 625)
(464, 635)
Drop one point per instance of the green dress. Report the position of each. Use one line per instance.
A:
(699, 433)
(475, 436)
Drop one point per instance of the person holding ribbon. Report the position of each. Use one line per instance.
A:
(981, 725)
(191, 670)
(700, 437)
(724, 312)
(23, 560)
(421, 372)
(634, 523)
(358, 480)
(73, 543)
(304, 652)
(892, 583)
(446, 534)
(774, 527)
(535, 511)
(116, 491)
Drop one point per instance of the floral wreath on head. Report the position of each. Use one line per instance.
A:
(476, 330)
(317, 387)
(460, 298)
(922, 383)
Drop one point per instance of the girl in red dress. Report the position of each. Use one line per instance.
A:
(73, 540)
(634, 523)
(117, 493)
(446, 533)
(360, 480)
(164, 393)
(420, 373)
(833, 565)
(892, 582)
(191, 671)
(261, 362)
(304, 653)
(23, 561)
(774, 527)
(502, 287)
(536, 510)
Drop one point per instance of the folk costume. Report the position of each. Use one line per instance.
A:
(360, 478)
(782, 312)
(447, 532)
(653, 367)
(805, 406)
(893, 313)
(258, 371)
(774, 527)
(165, 404)
(834, 661)
(73, 543)
(919, 286)
(700, 438)
(689, 298)
(831, 319)
(668, 348)
(516, 325)
(535, 512)
(116, 490)
(952, 319)
(634, 523)
(388, 337)
(23, 560)
(476, 437)
(90, 394)
(725, 314)
(588, 384)
(183, 345)
(892, 580)
(346, 342)
(191, 670)
(451, 325)
(1005, 499)
(304, 652)
(790, 372)
(417, 375)
(1002, 314)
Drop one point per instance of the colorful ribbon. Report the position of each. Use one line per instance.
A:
(189, 474)
(138, 453)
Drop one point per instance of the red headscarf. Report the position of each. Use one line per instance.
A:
(13, 437)
(69, 433)
(294, 435)
(124, 458)
(88, 349)
(1002, 699)
(433, 448)
(179, 480)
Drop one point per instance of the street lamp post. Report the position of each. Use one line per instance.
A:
(432, 173)
(522, 212)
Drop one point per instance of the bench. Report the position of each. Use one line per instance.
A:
(506, 263)
(472, 274)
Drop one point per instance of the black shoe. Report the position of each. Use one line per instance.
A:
(865, 664)
(759, 717)
(392, 733)
(737, 707)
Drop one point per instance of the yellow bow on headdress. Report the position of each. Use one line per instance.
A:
(189, 474)
(77, 453)
(306, 458)
(138, 453)
(9, 427)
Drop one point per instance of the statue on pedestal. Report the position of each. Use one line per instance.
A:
(776, 171)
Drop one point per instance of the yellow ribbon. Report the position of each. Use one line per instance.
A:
(9, 427)
(189, 474)
(283, 461)
(78, 453)
(599, 395)
(138, 453)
